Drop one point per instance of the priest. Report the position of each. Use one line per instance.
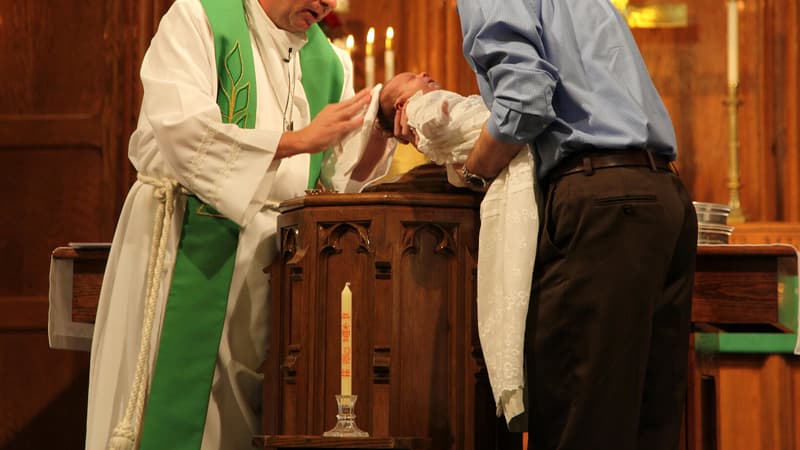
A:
(242, 100)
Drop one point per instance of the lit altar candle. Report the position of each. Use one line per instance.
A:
(388, 55)
(349, 43)
(347, 340)
(369, 62)
(733, 42)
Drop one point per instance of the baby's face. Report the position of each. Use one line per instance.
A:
(399, 89)
(404, 85)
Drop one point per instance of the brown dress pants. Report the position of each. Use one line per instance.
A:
(608, 327)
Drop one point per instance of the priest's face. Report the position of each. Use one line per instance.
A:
(297, 16)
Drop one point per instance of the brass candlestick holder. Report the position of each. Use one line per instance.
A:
(737, 214)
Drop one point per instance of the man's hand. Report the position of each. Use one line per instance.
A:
(459, 180)
(403, 132)
(328, 128)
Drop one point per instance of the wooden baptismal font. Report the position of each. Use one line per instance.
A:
(409, 251)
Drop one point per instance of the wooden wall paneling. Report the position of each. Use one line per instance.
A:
(43, 394)
(70, 96)
(766, 233)
(778, 412)
(50, 117)
(438, 52)
(757, 402)
(116, 94)
(422, 47)
(772, 123)
(788, 19)
(794, 397)
(688, 67)
(757, 128)
(768, 114)
(739, 390)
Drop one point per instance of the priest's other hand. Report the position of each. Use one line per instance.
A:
(328, 128)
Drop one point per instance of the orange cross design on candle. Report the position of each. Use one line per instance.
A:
(347, 340)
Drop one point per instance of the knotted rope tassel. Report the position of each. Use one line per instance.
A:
(124, 435)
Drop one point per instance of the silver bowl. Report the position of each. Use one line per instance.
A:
(708, 233)
(712, 213)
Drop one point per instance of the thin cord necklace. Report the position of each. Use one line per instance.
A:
(288, 107)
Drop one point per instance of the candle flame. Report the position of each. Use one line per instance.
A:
(389, 36)
(350, 42)
(371, 35)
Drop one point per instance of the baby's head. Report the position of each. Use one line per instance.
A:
(398, 90)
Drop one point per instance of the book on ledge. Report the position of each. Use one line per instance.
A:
(90, 245)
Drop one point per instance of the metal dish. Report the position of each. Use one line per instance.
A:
(713, 234)
(712, 213)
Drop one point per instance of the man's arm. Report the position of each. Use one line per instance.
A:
(504, 47)
(490, 155)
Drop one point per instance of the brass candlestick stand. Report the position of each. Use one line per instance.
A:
(733, 102)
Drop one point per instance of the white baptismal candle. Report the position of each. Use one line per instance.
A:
(369, 61)
(388, 55)
(733, 42)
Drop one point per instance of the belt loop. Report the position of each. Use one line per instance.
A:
(588, 170)
(652, 161)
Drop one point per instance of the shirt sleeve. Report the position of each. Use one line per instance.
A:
(220, 163)
(503, 44)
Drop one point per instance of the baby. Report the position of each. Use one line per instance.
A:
(446, 126)
(445, 123)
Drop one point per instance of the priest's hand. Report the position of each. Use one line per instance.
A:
(328, 128)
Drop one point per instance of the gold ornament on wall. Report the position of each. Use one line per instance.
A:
(673, 15)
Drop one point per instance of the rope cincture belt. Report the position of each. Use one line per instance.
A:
(124, 434)
(178, 391)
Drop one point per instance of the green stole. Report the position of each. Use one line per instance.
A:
(196, 306)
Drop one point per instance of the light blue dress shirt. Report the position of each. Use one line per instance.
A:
(563, 75)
